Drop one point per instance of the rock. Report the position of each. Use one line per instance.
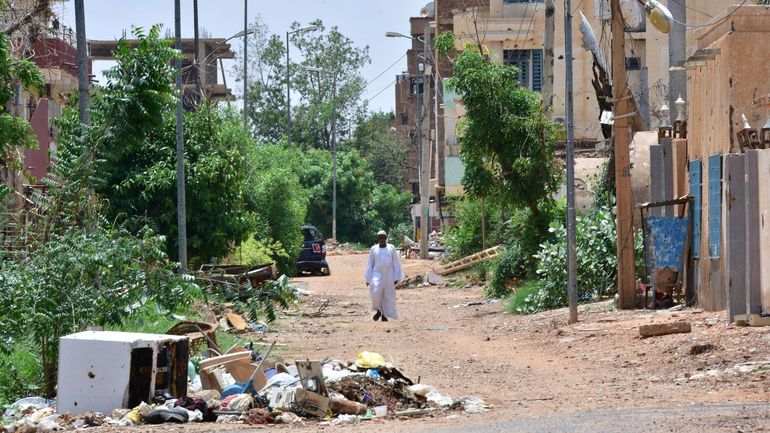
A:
(657, 329)
(433, 278)
(697, 349)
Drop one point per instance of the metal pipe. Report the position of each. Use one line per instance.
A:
(197, 55)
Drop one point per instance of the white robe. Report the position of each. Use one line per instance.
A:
(382, 271)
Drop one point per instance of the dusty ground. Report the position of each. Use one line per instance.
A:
(534, 366)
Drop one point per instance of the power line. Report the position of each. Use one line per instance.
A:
(386, 70)
(382, 90)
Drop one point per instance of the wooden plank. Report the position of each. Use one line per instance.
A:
(668, 175)
(679, 168)
(763, 172)
(657, 329)
(753, 288)
(735, 238)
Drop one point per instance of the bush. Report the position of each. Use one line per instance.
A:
(508, 266)
(397, 233)
(81, 278)
(524, 299)
(596, 262)
(465, 237)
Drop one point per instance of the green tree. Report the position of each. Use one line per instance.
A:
(506, 141)
(318, 97)
(280, 203)
(375, 136)
(14, 131)
(132, 138)
(363, 205)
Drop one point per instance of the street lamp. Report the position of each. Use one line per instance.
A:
(660, 17)
(318, 71)
(424, 143)
(288, 84)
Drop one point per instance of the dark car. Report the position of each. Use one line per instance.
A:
(312, 258)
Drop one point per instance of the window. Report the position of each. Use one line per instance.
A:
(633, 63)
(416, 86)
(530, 64)
(715, 206)
(404, 118)
(697, 208)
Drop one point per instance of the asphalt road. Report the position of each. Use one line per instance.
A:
(735, 418)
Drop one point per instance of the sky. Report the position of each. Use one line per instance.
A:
(364, 21)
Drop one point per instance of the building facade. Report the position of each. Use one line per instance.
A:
(513, 32)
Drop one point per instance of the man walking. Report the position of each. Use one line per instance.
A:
(383, 271)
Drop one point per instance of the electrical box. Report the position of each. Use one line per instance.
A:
(104, 370)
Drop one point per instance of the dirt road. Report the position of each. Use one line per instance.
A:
(528, 366)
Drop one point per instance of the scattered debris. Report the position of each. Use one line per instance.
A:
(657, 329)
(236, 321)
(697, 349)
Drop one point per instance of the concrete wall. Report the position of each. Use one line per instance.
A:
(721, 88)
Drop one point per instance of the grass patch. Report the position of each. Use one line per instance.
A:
(20, 374)
(520, 302)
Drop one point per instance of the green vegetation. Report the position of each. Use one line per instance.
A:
(14, 131)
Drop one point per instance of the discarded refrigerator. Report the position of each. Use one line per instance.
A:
(103, 370)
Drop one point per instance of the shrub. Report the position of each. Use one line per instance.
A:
(524, 299)
(465, 237)
(596, 262)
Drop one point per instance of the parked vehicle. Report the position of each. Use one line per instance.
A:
(312, 258)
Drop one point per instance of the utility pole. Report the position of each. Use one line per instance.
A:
(245, 63)
(288, 94)
(550, 29)
(677, 52)
(425, 147)
(571, 249)
(334, 157)
(622, 133)
(82, 51)
(198, 93)
(180, 184)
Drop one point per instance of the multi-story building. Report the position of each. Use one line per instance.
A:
(37, 34)
(513, 32)
(211, 51)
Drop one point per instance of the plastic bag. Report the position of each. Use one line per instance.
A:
(370, 360)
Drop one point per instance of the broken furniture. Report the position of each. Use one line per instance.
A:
(237, 364)
(197, 332)
(100, 371)
(234, 278)
(666, 242)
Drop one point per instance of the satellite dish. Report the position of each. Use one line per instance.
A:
(427, 11)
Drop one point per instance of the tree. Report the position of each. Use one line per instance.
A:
(376, 138)
(506, 141)
(334, 92)
(132, 140)
(14, 131)
(363, 205)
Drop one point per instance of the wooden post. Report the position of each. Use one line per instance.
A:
(622, 132)
(550, 12)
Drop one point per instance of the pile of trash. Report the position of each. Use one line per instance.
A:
(231, 389)
(337, 248)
